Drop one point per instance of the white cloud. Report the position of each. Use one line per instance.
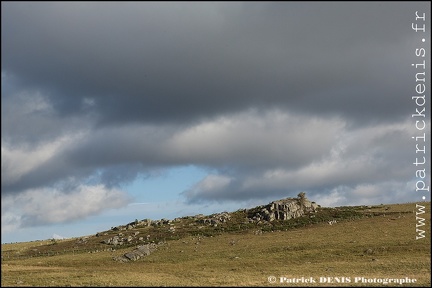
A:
(20, 160)
(48, 206)
(336, 197)
(250, 138)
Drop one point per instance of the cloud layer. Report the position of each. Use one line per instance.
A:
(272, 98)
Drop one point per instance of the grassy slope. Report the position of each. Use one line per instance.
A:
(378, 246)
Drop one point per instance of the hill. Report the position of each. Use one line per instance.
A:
(289, 239)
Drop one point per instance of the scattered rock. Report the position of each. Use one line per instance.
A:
(139, 252)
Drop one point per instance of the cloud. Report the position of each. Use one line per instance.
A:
(176, 63)
(58, 237)
(255, 153)
(392, 191)
(29, 117)
(249, 140)
(211, 184)
(256, 139)
(362, 162)
(19, 161)
(271, 98)
(28, 166)
(45, 206)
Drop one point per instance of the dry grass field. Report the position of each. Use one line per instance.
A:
(376, 247)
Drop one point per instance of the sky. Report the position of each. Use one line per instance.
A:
(116, 111)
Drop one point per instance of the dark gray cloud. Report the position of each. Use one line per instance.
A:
(175, 62)
(273, 97)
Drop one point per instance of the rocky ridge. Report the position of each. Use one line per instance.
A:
(284, 209)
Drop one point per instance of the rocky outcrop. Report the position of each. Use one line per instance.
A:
(285, 209)
(134, 224)
(121, 239)
(215, 219)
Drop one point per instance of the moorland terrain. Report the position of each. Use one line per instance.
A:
(237, 249)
